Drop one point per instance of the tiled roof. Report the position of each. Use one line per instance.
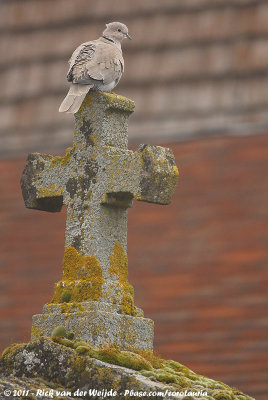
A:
(193, 68)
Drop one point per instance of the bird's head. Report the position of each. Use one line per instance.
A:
(116, 31)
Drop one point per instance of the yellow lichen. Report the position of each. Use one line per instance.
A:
(175, 169)
(77, 266)
(87, 102)
(36, 331)
(67, 308)
(51, 191)
(57, 160)
(127, 306)
(111, 99)
(119, 268)
(72, 263)
(82, 277)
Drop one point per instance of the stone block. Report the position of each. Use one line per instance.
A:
(96, 323)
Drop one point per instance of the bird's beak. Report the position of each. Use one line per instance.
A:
(128, 36)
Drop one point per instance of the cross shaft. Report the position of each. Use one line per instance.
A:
(97, 180)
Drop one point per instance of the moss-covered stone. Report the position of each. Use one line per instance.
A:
(65, 296)
(96, 323)
(70, 335)
(97, 179)
(83, 349)
(80, 343)
(82, 278)
(64, 341)
(126, 359)
(119, 268)
(71, 364)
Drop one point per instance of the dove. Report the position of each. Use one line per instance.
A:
(95, 65)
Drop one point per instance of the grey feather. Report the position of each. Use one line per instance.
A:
(74, 98)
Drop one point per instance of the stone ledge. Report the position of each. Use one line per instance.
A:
(86, 306)
(57, 365)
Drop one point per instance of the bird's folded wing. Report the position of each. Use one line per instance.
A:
(80, 56)
(85, 50)
(96, 61)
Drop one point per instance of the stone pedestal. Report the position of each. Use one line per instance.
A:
(96, 323)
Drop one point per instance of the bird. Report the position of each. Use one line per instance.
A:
(95, 65)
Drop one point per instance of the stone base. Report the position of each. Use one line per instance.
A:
(56, 368)
(97, 324)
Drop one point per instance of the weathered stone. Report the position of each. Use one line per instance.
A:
(93, 322)
(46, 364)
(98, 179)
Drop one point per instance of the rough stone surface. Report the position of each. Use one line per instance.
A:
(49, 365)
(94, 323)
(97, 179)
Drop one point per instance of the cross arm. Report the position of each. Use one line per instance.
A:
(158, 174)
(41, 188)
(150, 174)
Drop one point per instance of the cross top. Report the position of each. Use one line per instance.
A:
(97, 180)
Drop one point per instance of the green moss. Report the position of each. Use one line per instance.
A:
(107, 354)
(64, 341)
(166, 377)
(9, 354)
(217, 385)
(82, 349)
(79, 343)
(70, 335)
(126, 359)
(59, 331)
(147, 373)
(223, 395)
(176, 366)
(183, 382)
(170, 372)
(155, 359)
(78, 368)
(12, 349)
(134, 361)
(66, 296)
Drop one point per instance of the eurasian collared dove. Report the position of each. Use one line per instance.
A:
(95, 65)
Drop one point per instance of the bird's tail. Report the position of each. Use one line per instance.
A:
(72, 102)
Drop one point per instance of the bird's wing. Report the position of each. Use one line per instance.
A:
(96, 61)
(80, 56)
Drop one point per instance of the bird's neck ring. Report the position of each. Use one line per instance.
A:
(107, 38)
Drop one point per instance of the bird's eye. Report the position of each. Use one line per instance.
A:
(119, 30)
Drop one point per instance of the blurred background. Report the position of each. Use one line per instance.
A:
(197, 71)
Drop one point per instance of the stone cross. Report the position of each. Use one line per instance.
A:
(97, 180)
